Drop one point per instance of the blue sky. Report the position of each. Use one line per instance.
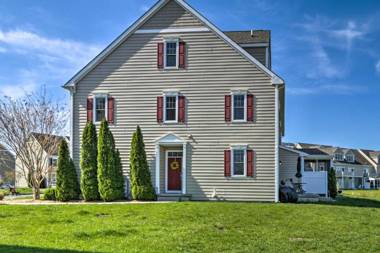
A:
(327, 51)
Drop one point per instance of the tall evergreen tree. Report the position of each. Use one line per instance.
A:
(333, 192)
(67, 181)
(88, 163)
(110, 176)
(141, 182)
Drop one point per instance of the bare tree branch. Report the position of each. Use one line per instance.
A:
(29, 127)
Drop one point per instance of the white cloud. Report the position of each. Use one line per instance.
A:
(54, 60)
(26, 83)
(377, 66)
(326, 36)
(335, 89)
(67, 50)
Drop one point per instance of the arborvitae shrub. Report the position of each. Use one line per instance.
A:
(141, 182)
(332, 183)
(109, 166)
(67, 181)
(88, 163)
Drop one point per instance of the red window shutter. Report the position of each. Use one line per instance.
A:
(250, 105)
(227, 163)
(160, 109)
(90, 106)
(227, 108)
(110, 107)
(250, 163)
(160, 55)
(181, 109)
(182, 54)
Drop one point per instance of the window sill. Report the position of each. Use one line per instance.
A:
(239, 178)
(170, 68)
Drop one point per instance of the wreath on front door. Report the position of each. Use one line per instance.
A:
(174, 165)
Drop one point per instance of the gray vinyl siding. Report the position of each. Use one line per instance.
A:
(288, 165)
(258, 52)
(172, 16)
(130, 75)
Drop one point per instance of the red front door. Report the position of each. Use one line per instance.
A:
(174, 171)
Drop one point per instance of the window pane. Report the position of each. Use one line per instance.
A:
(239, 107)
(170, 60)
(171, 54)
(238, 162)
(100, 108)
(171, 108)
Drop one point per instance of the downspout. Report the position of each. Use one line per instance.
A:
(276, 144)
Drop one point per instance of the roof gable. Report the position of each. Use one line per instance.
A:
(276, 80)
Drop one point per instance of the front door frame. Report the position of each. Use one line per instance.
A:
(171, 140)
(166, 170)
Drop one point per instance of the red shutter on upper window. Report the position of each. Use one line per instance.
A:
(250, 163)
(227, 163)
(160, 55)
(181, 109)
(182, 54)
(227, 108)
(110, 108)
(160, 109)
(90, 106)
(250, 106)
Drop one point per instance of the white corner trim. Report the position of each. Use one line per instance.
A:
(174, 30)
(276, 80)
(157, 172)
(276, 146)
(72, 92)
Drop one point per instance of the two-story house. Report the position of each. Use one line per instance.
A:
(353, 169)
(45, 146)
(209, 105)
(7, 166)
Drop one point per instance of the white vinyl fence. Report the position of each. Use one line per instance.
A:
(315, 182)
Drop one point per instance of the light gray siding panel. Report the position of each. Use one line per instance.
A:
(172, 16)
(288, 167)
(130, 75)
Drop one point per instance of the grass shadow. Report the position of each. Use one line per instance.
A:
(26, 249)
(353, 202)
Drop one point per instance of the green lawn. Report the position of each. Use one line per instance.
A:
(345, 226)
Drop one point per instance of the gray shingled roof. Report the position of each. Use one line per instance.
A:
(52, 139)
(313, 151)
(244, 37)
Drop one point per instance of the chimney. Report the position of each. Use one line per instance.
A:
(251, 32)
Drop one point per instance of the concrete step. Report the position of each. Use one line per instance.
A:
(174, 197)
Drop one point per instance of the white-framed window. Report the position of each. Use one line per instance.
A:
(239, 161)
(53, 161)
(239, 106)
(338, 156)
(171, 51)
(350, 158)
(171, 107)
(53, 179)
(100, 107)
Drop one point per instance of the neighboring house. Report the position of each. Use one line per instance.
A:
(210, 108)
(50, 159)
(354, 168)
(7, 166)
